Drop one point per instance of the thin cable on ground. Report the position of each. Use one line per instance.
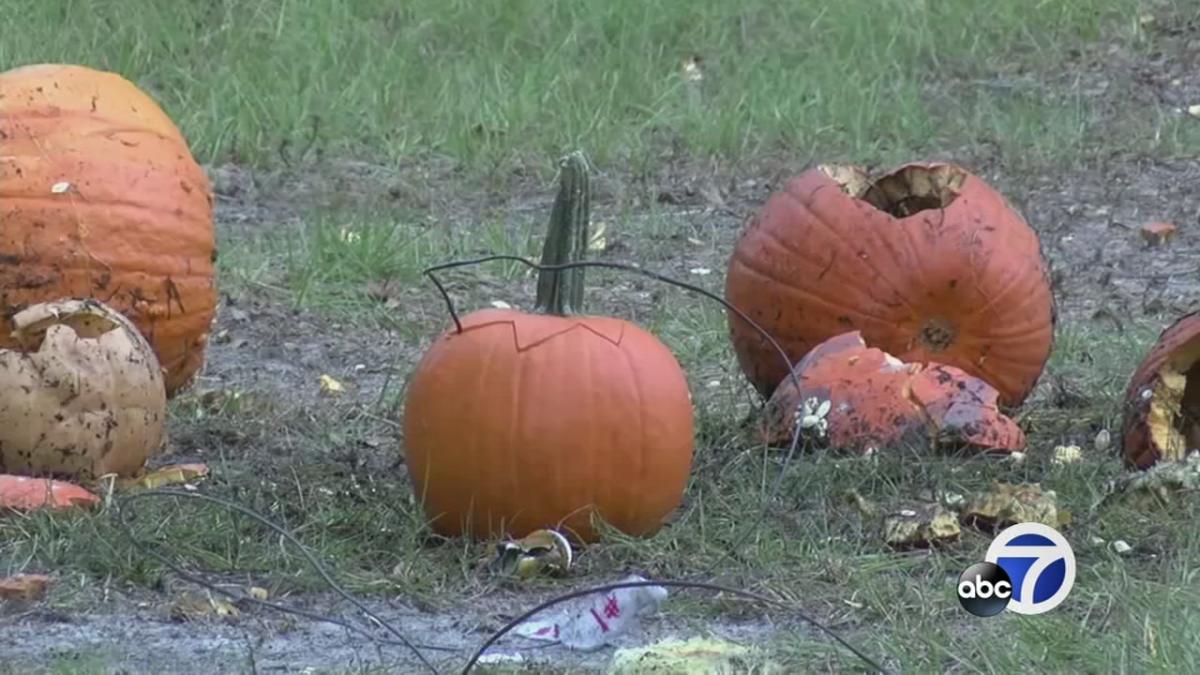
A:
(776, 489)
(127, 528)
(702, 585)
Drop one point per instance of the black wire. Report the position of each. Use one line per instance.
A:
(797, 432)
(625, 267)
(703, 585)
(283, 532)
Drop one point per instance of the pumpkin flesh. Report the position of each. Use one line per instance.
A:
(1162, 401)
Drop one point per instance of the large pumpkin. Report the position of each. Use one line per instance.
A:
(525, 420)
(928, 262)
(1161, 419)
(100, 197)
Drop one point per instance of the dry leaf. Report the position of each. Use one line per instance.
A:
(26, 587)
(920, 527)
(330, 385)
(597, 241)
(1005, 504)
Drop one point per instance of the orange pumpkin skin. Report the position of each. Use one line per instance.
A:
(100, 197)
(878, 401)
(963, 284)
(1161, 420)
(525, 421)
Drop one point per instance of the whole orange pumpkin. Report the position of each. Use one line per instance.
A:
(928, 262)
(100, 197)
(1161, 420)
(526, 420)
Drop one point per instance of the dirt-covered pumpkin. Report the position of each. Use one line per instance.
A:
(1162, 402)
(100, 197)
(928, 262)
(528, 420)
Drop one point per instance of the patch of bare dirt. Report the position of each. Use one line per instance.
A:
(141, 637)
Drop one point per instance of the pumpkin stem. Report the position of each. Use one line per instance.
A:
(560, 292)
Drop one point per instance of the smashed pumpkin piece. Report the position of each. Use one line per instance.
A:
(197, 607)
(25, 493)
(1160, 485)
(82, 396)
(877, 400)
(1006, 504)
(24, 587)
(173, 474)
(1162, 401)
(539, 552)
(922, 526)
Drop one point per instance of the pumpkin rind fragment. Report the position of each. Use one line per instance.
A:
(877, 401)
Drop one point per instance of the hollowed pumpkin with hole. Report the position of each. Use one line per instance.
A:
(517, 421)
(1162, 402)
(101, 198)
(928, 262)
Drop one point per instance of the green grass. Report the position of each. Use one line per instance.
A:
(504, 84)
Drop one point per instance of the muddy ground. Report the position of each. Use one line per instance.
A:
(1088, 218)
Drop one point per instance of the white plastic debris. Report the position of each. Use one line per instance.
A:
(593, 621)
(59, 188)
(501, 657)
(1121, 547)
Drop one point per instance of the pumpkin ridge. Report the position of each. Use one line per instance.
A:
(105, 126)
(785, 286)
(998, 296)
(847, 246)
(83, 200)
(641, 497)
(30, 268)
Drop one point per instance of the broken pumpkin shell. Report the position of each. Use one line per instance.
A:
(82, 397)
(1005, 504)
(920, 527)
(877, 400)
(928, 261)
(1162, 401)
